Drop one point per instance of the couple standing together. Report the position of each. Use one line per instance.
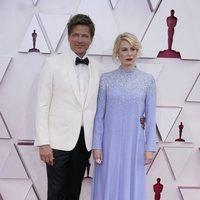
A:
(80, 108)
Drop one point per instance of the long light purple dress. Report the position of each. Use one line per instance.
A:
(124, 96)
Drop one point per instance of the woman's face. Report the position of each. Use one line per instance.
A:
(127, 54)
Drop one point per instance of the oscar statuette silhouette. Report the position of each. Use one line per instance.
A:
(181, 126)
(88, 169)
(171, 23)
(157, 188)
(34, 36)
(1, 198)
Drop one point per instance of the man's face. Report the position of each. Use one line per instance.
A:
(80, 39)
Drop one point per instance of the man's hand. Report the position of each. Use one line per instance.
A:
(148, 156)
(97, 155)
(46, 154)
(142, 122)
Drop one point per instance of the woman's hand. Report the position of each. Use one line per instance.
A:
(148, 156)
(97, 155)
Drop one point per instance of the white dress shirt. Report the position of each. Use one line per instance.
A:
(82, 74)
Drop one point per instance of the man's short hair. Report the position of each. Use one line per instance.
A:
(81, 19)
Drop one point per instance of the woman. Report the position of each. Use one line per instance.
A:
(120, 147)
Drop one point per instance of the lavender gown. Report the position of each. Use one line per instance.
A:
(124, 96)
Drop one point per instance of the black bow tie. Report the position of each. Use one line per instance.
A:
(82, 61)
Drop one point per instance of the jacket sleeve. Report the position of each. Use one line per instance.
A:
(44, 96)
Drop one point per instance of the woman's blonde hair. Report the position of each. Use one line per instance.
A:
(130, 38)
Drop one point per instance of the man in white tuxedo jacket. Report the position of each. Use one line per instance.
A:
(66, 106)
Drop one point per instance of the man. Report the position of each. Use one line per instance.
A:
(66, 106)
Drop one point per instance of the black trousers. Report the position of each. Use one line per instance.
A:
(66, 175)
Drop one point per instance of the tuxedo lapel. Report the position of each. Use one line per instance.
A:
(68, 63)
(92, 84)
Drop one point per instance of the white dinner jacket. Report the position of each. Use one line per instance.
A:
(59, 111)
